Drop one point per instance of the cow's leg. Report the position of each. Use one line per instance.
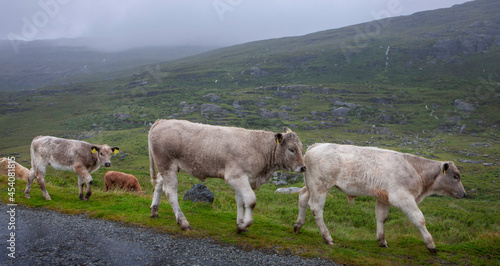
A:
(81, 183)
(316, 203)
(84, 177)
(245, 200)
(170, 185)
(40, 178)
(240, 210)
(381, 212)
(303, 200)
(31, 177)
(410, 208)
(155, 205)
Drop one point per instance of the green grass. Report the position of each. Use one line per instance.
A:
(465, 231)
(417, 115)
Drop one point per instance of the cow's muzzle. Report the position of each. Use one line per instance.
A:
(107, 164)
(300, 169)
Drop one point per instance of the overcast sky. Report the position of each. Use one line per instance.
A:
(120, 24)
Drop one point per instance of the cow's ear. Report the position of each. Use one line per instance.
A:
(445, 168)
(287, 130)
(94, 149)
(115, 150)
(279, 138)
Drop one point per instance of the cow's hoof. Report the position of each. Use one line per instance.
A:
(81, 197)
(330, 243)
(239, 230)
(48, 198)
(27, 196)
(154, 212)
(296, 229)
(186, 228)
(383, 245)
(432, 250)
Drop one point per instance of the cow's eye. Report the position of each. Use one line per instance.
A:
(456, 177)
(291, 150)
(101, 154)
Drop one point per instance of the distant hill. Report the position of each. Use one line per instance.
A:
(453, 46)
(396, 80)
(56, 62)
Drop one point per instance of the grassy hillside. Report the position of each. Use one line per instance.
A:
(42, 63)
(427, 84)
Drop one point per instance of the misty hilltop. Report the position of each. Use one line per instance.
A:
(62, 61)
(449, 46)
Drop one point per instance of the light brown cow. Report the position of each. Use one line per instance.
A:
(20, 171)
(245, 159)
(127, 182)
(68, 155)
(398, 179)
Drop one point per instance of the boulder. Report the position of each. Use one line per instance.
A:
(464, 106)
(199, 193)
(341, 111)
(287, 190)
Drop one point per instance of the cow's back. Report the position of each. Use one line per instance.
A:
(205, 150)
(61, 153)
(358, 170)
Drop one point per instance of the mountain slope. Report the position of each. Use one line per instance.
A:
(56, 62)
(418, 44)
(426, 74)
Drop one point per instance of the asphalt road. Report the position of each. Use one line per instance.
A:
(43, 237)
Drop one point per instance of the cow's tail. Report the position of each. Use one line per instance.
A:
(152, 169)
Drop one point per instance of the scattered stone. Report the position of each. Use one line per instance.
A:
(199, 193)
(257, 72)
(341, 111)
(462, 105)
(280, 182)
(287, 190)
(212, 97)
(468, 161)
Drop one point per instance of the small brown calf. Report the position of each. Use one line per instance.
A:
(120, 180)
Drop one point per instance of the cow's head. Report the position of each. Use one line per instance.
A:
(289, 151)
(448, 181)
(104, 153)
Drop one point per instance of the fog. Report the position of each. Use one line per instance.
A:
(122, 24)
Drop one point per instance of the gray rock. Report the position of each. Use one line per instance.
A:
(341, 111)
(287, 190)
(280, 183)
(199, 193)
(122, 116)
(257, 72)
(212, 97)
(464, 106)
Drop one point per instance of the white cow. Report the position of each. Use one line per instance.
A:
(68, 155)
(398, 179)
(245, 159)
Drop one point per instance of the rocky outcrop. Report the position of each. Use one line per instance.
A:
(199, 193)
(464, 106)
(207, 109)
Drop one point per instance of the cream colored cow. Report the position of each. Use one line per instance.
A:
(398, 179)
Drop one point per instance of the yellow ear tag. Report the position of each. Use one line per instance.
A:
(444, 172)
(277, 141)
(94, 150)
(288, 131)
(116, 151)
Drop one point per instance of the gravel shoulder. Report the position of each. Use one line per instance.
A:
(44, 237)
